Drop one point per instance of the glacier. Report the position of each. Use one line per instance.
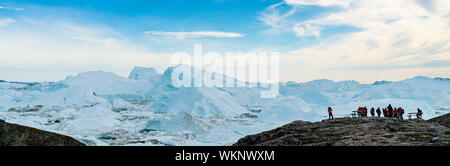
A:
(102, 108)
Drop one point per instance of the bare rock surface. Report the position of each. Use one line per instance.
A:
(17, 135)
(355, 132)
(443, 120)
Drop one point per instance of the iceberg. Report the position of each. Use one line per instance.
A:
(146, 108)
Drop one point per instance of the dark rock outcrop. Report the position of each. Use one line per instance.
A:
(443, 120)
(17, 135)
(353, 132)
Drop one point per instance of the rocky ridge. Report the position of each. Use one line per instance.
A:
(356, 132)
(17, 135)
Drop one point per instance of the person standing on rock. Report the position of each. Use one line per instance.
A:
(419, 113)
(378, 111)
(396, 113)
(390, 110)
(400, 112)
(330, 113)
(360, 111)
(365, 111)
(372, 112)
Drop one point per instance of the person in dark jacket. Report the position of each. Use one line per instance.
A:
(365, 111)
(419, 113)
(400, 112)
(330, 113)
(390, 111)
(378, 111)
(372, 112)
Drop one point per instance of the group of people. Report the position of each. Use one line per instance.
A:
(393, 112)
(389, 111)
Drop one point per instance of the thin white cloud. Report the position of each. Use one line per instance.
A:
(342, 3)
(273, 17)
(393, 35)
(11, 8)
(277, 20)
(301, 30)
(198, 34)
(107, 42)
(6, 21)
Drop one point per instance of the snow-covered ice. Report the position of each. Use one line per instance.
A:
(101, 108)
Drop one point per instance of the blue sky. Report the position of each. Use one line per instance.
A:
(135, 17)
(333, 39)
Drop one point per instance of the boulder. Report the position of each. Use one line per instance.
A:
(17, 135)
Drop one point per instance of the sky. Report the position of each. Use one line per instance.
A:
(362, 40)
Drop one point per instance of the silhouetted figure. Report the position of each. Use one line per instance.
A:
(390, 110)
(330, 113)
(378, 111)
(360, 111)
(365, 111)
(395, 112)
(401, 112)
(419, 113)
(372, 112)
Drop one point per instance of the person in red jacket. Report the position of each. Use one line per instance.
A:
(360, 111)
(330, 113)
(396, 113)
(378, 111)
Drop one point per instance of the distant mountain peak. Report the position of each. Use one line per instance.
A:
(381, 82)
(442, 79)
(143, 73)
